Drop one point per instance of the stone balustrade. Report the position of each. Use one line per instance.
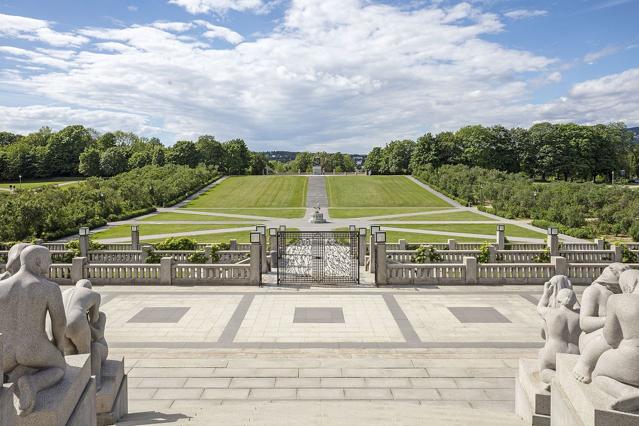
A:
(116, 256)
(425, 273)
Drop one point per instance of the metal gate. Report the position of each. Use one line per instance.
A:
(318, 257)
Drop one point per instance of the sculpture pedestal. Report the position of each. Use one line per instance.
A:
(317, 218)
(579, 404)
(71, 402)
(112, 398)
(532, 401)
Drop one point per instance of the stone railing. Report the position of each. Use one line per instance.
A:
(515, 273)
(212, 274)
(233, 256)
(122, 274)
(424, 273)
(116, 256)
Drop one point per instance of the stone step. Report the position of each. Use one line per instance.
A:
(323, 413)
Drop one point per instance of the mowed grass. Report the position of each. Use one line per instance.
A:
(255, 191)
(122, 231)
(347, 213)
(35, 183)
(484, 229)
(171, 217)
(450, 217)
(223, 237)
(378, 191)
(411, 237)
(264, 212)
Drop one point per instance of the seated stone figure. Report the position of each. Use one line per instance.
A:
(617, 370)
(551, 289)
(85, 326)
(29, 358)
(561, 331)
(13, 260)
(593, 317)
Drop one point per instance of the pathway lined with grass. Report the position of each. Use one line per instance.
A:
(404, 207)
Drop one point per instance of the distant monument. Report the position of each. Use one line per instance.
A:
(317, 167)
(318, 216)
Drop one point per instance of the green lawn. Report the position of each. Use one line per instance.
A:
(255, 191)
(485, 229)
(347, 213)
(378, 191)
(125, 230)
(34, 183)
(170, 217)
(461, 215)
(241, 237)
(265, 212)
(410, 237)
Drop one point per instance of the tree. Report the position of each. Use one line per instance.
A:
(158, 156)
(211, 151)
(236, 157)
(105, 141)
(397, 155)
(7, 138)
(258, 164)
(64, 149)
(303, 162)
(113, 161)
(373, 162)
(184, 153)
(90, 162)
(140, 159)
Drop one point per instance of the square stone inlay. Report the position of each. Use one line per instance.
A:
(318, 315)
(473, 314)
(169, 315)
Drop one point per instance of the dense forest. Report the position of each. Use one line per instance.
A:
(559, 151)
(79, 151)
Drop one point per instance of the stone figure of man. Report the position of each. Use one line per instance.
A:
(13, 260)
(561, 331)
(29, 358)
(85, 325)
(617, 370)
(593, 317)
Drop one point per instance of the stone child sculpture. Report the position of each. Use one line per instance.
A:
(29, 358)
(617, 370)
(593, 317)
(561, 325)
(85, 326)
(13, 260)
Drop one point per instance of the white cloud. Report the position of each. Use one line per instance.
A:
(335, 74)
(592, 57)
(218, 6)
(36, 30)
(525, 13)
(132, 8)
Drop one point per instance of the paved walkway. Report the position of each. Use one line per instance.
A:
(317, 193)
(190, 352)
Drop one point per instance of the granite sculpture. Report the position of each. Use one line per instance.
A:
(593, 317)
(85, 326)
(13, 260)
(558, 308)
(29, 358)
(617, 369)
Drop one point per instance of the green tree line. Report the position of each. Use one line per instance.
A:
(559, 151)
(304, 161)
(51, 212)
(581, 209)
(79, 151)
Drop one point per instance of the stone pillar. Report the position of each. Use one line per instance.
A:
(208, 251)
(601, 243)
(77, 268)
(38, 242)
(256, 262)
(233, 245)
(166, 271)
(1, 368)
(263, 256)
(362, 246)
(470, 264)
(146, 249)
(501, 237)
(371, 253)
(492, 254)
(452, 245)
(617, 255)
(84, 242)
(402, 244)
(553, 242)
(135, 237)
(381, 277)
(561, 265)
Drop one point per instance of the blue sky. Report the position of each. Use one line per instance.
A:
(306, 74)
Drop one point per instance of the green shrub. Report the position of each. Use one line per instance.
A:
(627, 256)
(543, 257)
(484, 253)
(198, 257)
(426, 253)
(177, 243)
